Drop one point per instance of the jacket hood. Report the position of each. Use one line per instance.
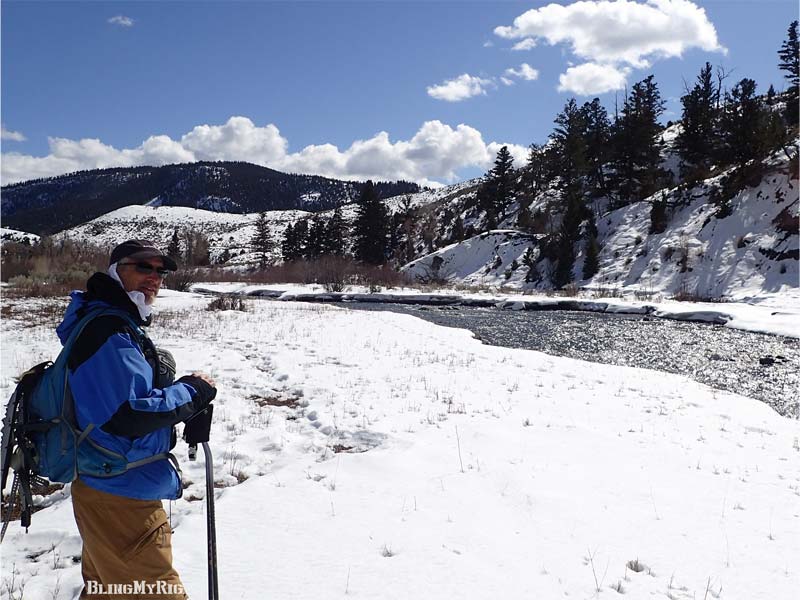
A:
(101, 290)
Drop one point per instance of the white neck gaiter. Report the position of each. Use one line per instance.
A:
(138, 298)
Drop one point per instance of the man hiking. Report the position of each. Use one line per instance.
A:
(125, 394)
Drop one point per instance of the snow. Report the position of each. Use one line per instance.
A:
(777, 314)
(14, 235)
(473, 471)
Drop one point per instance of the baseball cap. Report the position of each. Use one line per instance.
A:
(140, 249)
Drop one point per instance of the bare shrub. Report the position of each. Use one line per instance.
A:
(570, 290)
(50, 268)
(228, 302)
(636, 566)
(786, 222)
(183, 279)
(335, 273)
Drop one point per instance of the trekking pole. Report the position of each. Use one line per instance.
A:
(197, 432)
(213, 588)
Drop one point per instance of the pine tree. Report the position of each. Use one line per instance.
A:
(502, 181)
(658, 215)
(637, 143)
(568, 144)
(316, 240)
(407, 227)
(261, 243)
(532, 275)
(744, 125)
(535, 174)
(288, 244)
(457, 233)
(497, 191)
(335, 231)
(370, 230)
(697, 142)
(174, 248)
(300, 239)
(197, 248)
(591, 262)
(597, 134)
(486, 204)
(790, 62)
(524, 218)
(771, 93)
(568, 234)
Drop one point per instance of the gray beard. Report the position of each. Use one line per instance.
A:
(138, 298)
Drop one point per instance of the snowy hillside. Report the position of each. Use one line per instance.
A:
(225, 231)
(493, 258)
(752, 251)
(741, 255)
(20, 237)
(158, 223)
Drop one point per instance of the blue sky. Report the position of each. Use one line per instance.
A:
(395, 89)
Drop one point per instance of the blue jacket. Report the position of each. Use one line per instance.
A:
(111, 382)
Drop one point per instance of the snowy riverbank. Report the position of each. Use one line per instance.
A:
(378, 456)
(774, 314)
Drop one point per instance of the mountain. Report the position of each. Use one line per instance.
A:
(45, 206)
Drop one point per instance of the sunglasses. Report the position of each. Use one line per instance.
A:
(146, 268)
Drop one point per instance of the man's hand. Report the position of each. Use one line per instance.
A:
(205, 377)
(203, 385)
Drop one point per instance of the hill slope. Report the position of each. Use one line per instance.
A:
(225, 231)
(754, 250)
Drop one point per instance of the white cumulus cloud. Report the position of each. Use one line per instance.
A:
(621, 31)
(433, 155)
(525, 44)
(238, 139)
(614, 35)
(462, 87)
(592, 78)
(525, 72)
(11, 136)
(122, 21)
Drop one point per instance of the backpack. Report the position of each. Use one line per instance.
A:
(41, 439)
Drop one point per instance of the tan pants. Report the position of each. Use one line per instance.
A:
(126, 542)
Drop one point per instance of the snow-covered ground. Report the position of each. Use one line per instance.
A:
(415, 462)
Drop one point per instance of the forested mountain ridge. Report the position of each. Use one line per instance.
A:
(56, 203)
